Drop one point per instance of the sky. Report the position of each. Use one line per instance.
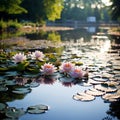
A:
(107, 2)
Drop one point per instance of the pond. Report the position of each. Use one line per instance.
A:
(25, 93)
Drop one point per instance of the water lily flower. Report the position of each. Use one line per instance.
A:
(20, 57)
(66, 67)
(48, 69)
(76, 72)
(37, 55)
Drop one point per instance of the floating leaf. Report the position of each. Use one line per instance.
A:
(94, 92)
(83, 97)
(10, 82)
(112, 96)
(23, 90)
(66, 79)
(91, 81)
(14, 112)
(37, 109)
(30, 75)
(2, 106)
(3, 69)
(100, 79)
(105, 88)
(3, 88)
(12, 73)
(32, 84)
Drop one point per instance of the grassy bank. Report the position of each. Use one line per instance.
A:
(9, 26)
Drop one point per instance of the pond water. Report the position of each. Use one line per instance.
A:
(87, 50)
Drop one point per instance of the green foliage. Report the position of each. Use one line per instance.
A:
(53, 9)
(81, 9)
(41, 10)
(14, 24)
(54, 37)
(2, 25)
(115, 9)
(10, 25)
(11, 6)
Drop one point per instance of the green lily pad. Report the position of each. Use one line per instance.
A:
(14, 112)
(3, 69)
(3, 88)
(22, 90)
(66, 79)
(83, 97)
(2, 106)
(37, 109)
(10, 82)
(12, 73)
(32, 84)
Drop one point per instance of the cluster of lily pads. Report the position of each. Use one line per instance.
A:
(36, 62)
(32, 68)
(13, 113)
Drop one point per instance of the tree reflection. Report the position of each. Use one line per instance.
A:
(114, 109)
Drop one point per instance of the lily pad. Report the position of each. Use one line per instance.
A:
(2, 106)
(10, 82)
(37, 109)
(32, 84)
(83, 97)
(100, 79)
(22, 90)
(94, 82)
(112, 96)
(12, 73)
(14, 112)
(94, 92)
(66, 79)
(3, 88)
(105, 88)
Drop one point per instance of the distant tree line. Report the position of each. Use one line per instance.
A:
(31, 10)
(43, 10)
(81, 9)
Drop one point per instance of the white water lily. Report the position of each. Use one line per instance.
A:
(37, 55)
(20, 57)
(48, 69)
(66, 67)
(76, 72)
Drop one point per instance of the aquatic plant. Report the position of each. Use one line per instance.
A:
(66, 67)
(48, 69)
(19, 57)
(37, 55)
(76, 72)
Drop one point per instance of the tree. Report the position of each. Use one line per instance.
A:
(115, 9)
(53, 9)
(81, 9)
(10, 7)
(41, 10)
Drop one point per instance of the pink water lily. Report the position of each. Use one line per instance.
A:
(76, 72)
(66, 67)
(20, 57)
(48, 69)
(37, 55)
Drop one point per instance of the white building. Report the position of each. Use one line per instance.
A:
(91, 19)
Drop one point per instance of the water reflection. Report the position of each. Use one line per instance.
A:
(114, 109)
(78, 47)
(46, 80)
